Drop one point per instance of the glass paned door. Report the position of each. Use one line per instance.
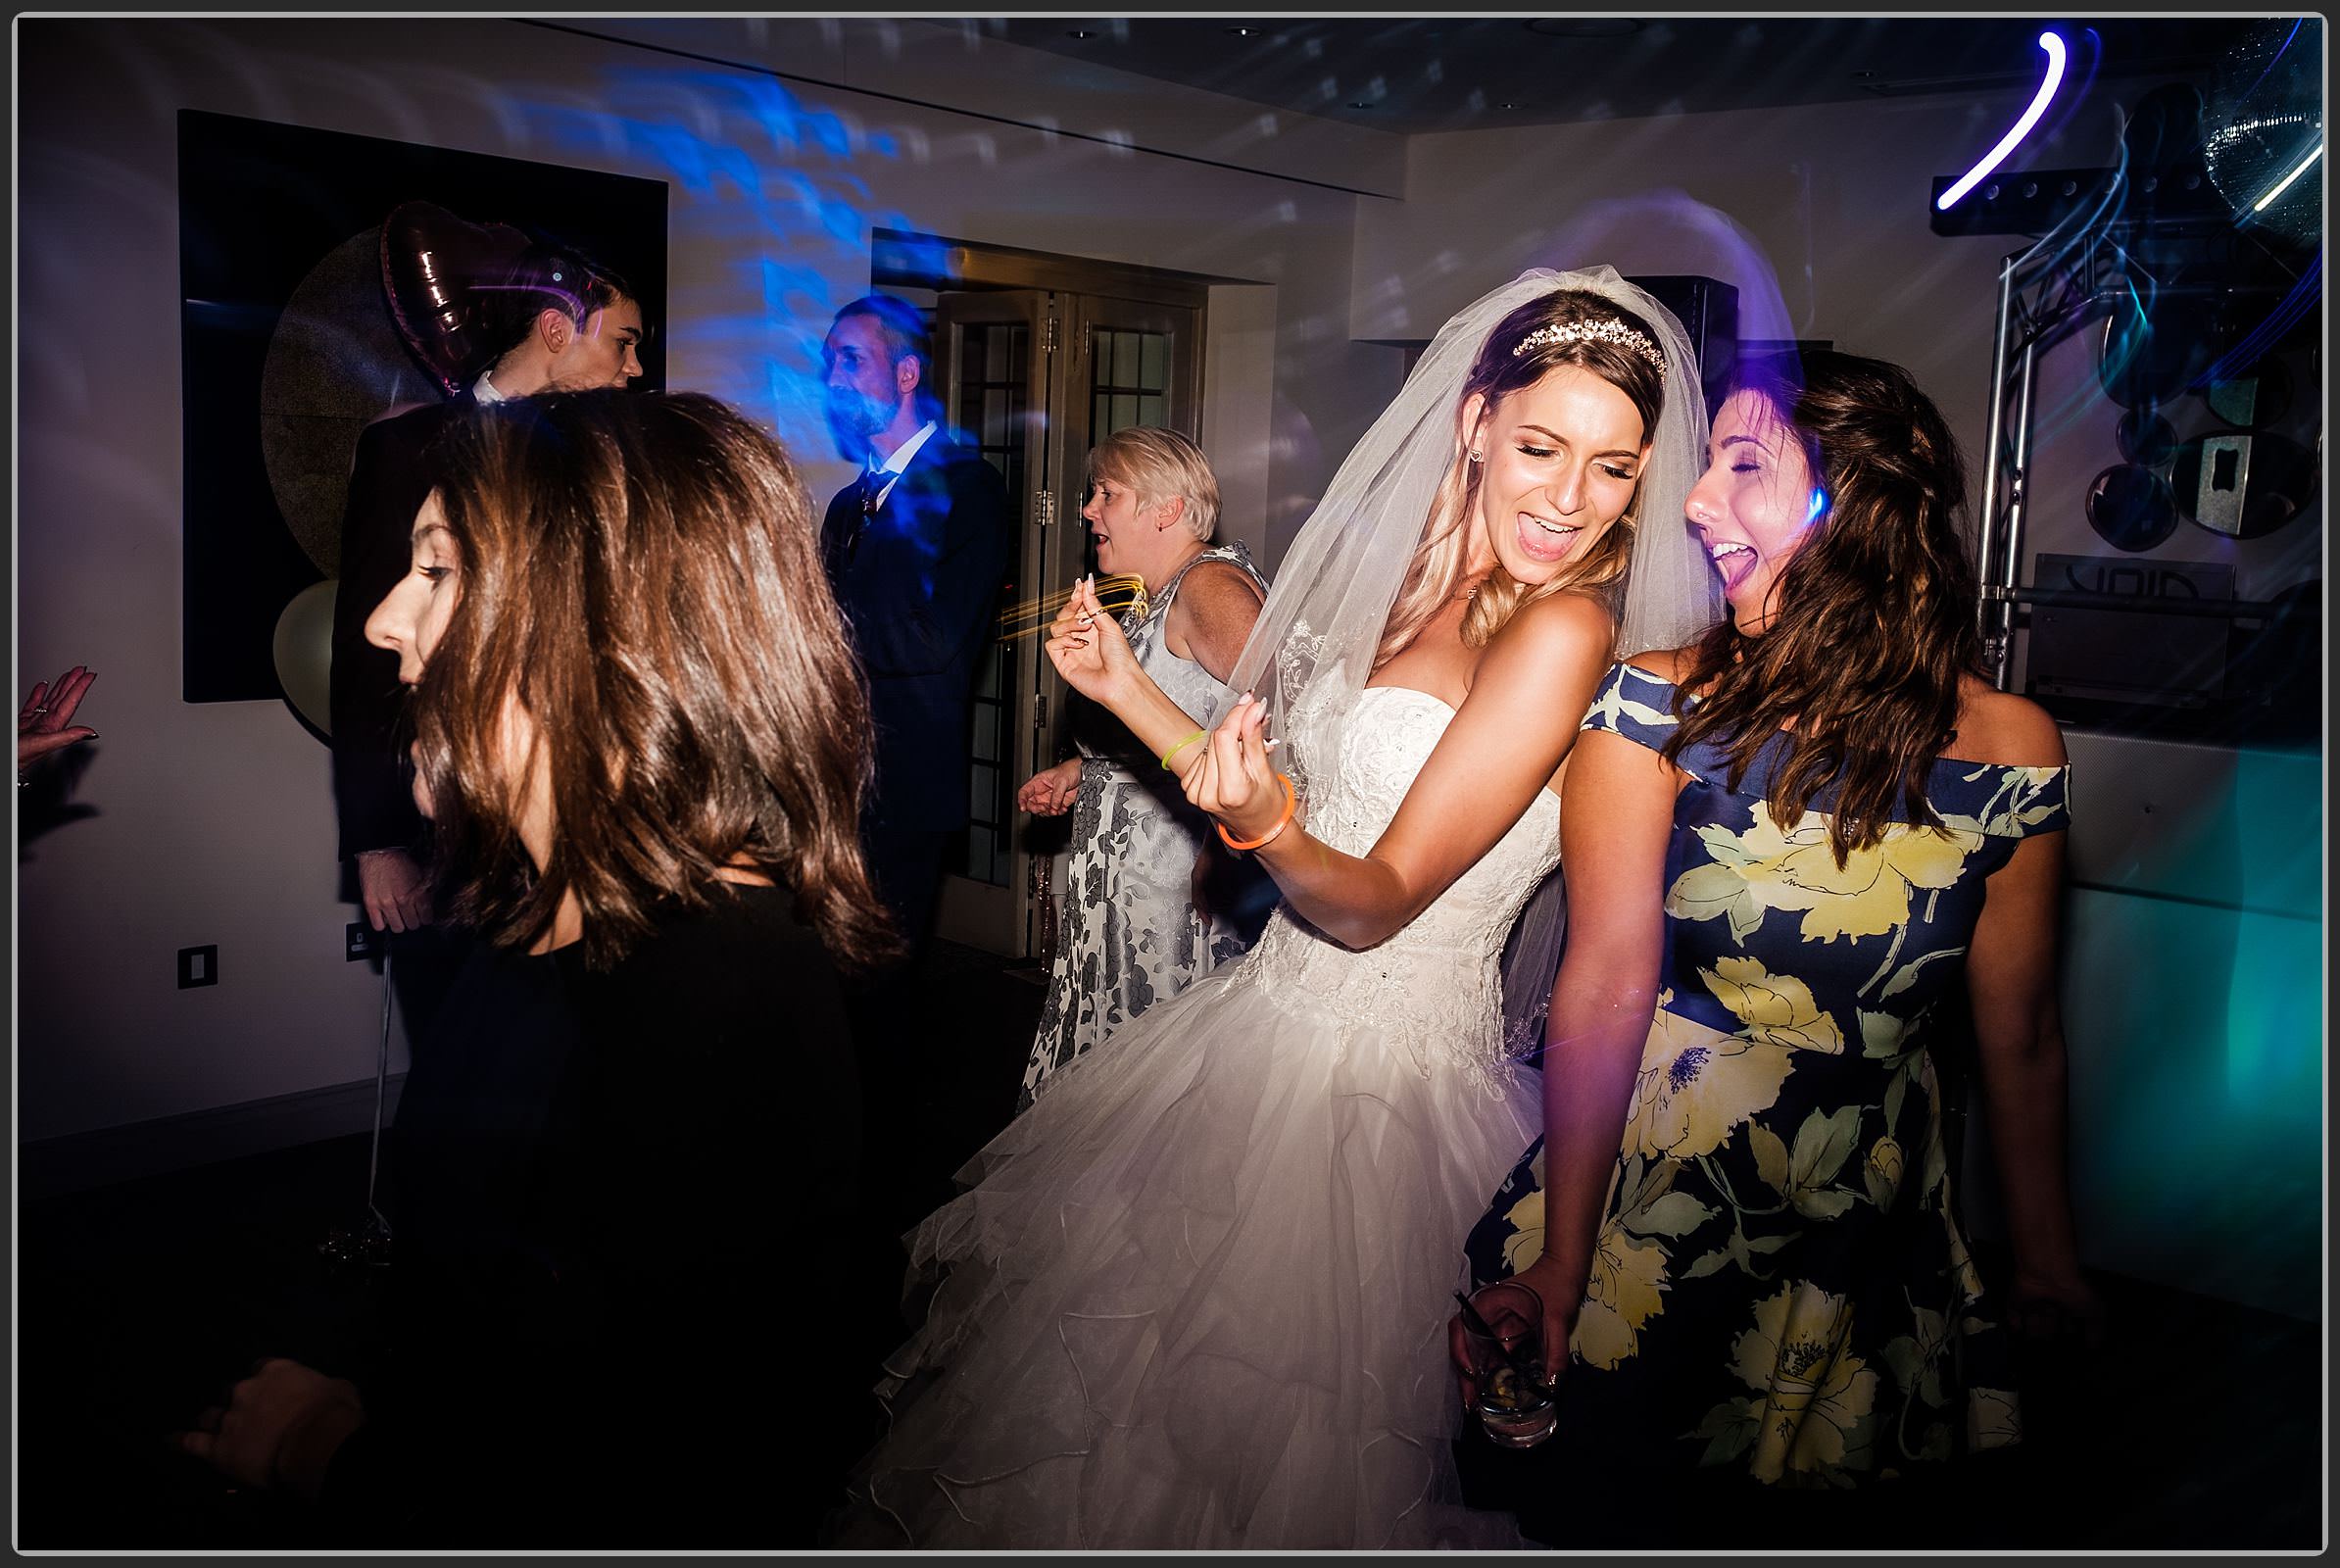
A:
(1132, 362)
(994, 363)
(1037, 377)
(994, 394)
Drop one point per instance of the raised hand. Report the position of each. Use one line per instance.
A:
(45, 723)
(1088, 649)
(1230, 776)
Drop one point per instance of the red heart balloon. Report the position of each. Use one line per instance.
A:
(433, 261)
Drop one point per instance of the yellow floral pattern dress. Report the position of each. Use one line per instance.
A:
(1781, 1284)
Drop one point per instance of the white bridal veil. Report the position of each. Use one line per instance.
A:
(1312, 649)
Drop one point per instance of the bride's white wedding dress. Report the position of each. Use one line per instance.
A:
(1199, 1296)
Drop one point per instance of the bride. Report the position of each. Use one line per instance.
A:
(1198, 1297)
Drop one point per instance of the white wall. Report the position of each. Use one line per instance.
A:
(214, 821)
(1819, 214)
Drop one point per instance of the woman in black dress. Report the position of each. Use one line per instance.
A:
(643, 743)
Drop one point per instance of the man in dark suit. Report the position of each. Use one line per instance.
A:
(916, 550)
(539, 331)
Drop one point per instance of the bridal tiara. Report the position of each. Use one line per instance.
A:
(1605, 330)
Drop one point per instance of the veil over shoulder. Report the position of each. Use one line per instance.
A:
(1311, 650)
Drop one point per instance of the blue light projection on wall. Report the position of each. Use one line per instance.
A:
(778, 190)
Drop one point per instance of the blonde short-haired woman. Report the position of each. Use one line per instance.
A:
(1134, 931)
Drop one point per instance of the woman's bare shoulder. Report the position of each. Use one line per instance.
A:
(2004, 729)
(1217, 585)
(1561, 620)
(1668, 664)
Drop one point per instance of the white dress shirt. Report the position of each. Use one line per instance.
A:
(898, 464)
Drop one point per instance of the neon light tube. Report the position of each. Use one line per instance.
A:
(2284, 185)
(2023, 127)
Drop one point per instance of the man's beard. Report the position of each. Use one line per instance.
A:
(853, 419)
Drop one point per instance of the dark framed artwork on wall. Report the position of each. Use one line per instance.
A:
(288, 349)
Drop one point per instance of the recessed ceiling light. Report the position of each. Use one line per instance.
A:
(1078, 33)
(1361, 106)
(1244, 33)
(1507, 106)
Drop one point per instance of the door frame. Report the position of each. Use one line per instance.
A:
(1059, 296)
(976, 913)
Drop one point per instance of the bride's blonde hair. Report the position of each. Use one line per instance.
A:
(1505, 367)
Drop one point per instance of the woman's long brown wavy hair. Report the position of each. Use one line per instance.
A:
(1442, 559)
(1876, 613)
(641, 577)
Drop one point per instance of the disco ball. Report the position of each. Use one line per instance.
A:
(2266, 119)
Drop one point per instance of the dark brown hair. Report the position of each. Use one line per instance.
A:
(550, 275)
(905, 337)
(1875, 611)
(640, 576)
(1440, 563)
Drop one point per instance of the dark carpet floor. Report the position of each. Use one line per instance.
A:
(2198, 1426)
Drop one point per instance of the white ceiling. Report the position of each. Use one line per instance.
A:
(1417, 75)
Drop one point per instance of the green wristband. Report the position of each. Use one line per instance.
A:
(1179, 747)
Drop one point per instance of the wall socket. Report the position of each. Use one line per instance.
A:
(359, 941)
(199, 967)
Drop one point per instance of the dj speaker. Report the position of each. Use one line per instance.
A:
(1709, 312)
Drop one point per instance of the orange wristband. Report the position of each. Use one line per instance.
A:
(1292, 804)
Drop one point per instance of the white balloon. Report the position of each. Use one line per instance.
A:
(304, 649)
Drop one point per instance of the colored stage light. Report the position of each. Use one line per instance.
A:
(2054, 46)
(2284, 185)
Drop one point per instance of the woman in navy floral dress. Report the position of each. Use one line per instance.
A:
(1789, 848)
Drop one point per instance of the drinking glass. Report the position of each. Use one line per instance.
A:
(1507, 1365)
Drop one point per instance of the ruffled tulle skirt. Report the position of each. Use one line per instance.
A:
(1198, 1294)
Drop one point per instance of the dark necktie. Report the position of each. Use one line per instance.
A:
(865, 505)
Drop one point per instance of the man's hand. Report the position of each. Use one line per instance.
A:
(394, 889)
(280, 1428)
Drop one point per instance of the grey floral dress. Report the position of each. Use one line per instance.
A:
(1780, 1287)
(1130, 935)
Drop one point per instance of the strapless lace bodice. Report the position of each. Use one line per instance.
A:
(1435, 987)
